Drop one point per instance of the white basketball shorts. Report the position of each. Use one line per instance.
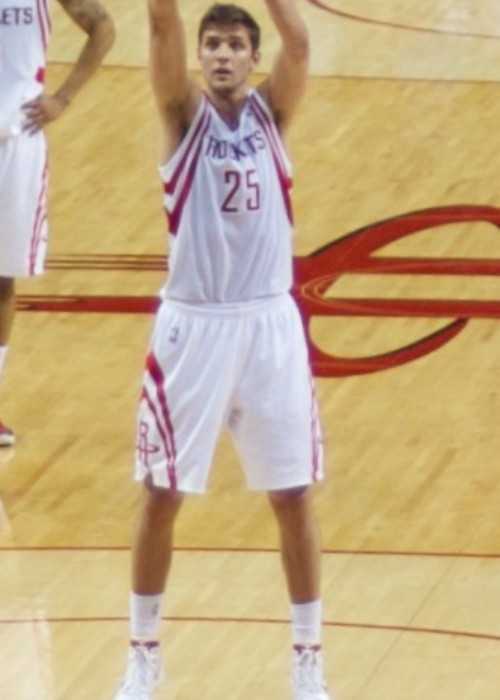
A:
(243, 367)
(23, 205)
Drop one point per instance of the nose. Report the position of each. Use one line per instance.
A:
(223, 53)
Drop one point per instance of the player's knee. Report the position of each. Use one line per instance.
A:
(287, 499)
(161, 504)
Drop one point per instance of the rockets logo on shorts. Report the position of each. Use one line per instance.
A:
(145, 448)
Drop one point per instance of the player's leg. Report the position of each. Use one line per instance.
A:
(301, 554)
(151, 559)
(7, 309)
(23, 227)
(187, 383)
(300, 545)
(278, 436)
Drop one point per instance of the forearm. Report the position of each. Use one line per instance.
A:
(164, 16)
(99, 42)
(291, 27)
(168, 55)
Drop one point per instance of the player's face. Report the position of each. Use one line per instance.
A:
(227, 57)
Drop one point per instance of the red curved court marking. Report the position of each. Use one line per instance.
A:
(260, 550)
(262, 621)
(396, 25)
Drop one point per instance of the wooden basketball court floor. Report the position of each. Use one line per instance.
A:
(400, 126)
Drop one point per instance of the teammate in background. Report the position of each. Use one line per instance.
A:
(25, 109)
(228, 347)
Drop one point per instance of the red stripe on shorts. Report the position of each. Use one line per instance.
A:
(315, 434)
(158, 377)
(40, 216)
(159, 426)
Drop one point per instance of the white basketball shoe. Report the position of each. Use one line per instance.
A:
(144, 672)
(308, 682)
(7, 437)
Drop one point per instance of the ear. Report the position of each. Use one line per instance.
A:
(256, 57)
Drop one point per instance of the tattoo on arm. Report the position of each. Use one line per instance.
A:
(86, 13)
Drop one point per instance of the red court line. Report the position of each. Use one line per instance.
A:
(396, 25)
(262, 550)
(263, 621)
(102, 261)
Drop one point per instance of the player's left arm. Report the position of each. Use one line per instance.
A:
(286, 84)
(94, 20)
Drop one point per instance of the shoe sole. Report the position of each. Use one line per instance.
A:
(7, 440)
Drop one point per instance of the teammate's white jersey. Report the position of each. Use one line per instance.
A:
(24, 34)
(227, 196)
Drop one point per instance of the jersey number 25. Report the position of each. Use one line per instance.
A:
(236, 180)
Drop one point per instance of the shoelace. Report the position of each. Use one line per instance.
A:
(141, 670)
(309, 671)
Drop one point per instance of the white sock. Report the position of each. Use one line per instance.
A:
(145, 616)
(306, 623)
(3, 354)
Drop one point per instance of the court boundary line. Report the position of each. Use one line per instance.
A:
(321, 76)
(257, 550)
(480, 636)
(399, 26)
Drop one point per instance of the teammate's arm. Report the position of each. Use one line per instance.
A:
(91, 16)
(177, 96)
(286, 84)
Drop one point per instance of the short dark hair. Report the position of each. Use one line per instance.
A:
(226, 14)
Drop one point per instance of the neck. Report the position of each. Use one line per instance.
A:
(229, 103)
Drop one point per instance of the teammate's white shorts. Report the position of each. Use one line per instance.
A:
(23, 205)
(244, 367)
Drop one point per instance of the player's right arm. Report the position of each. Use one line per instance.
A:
(177, 96)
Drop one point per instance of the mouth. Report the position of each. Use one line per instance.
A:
(222, 73)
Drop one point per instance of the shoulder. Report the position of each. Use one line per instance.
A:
(262, 96)
(179, 119)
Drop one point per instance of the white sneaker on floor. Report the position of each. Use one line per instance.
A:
(308, 682)
(7, 437)
(144, 672)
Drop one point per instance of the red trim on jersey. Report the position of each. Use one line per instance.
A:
(40, 75)
(158, 377)
(284, 181)
(171, 184)
(40, 218)
(47, 15)
(175, 215)
(44, 21)
(273, 134)
(159, 426)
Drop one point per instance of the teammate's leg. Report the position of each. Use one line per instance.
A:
(151, 558)
(7, 310)
(301, 553)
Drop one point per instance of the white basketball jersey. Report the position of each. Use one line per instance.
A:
(227, 196)
(24, 34)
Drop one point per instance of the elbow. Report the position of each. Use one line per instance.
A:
(103, 34)
(300, 49)
(161, 17)
(108, 33)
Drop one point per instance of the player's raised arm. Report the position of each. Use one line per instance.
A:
(286, 84)
(175, 93)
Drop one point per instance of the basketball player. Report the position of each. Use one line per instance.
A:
(228, 347)
(25, 109)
